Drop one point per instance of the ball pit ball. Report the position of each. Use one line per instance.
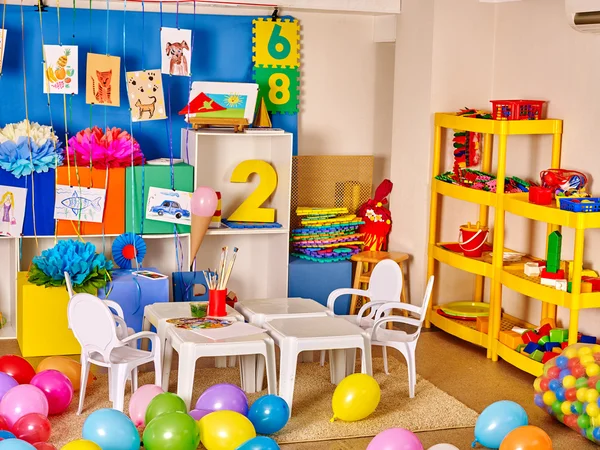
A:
(569, 389)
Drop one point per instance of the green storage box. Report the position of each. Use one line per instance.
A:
(153, 176)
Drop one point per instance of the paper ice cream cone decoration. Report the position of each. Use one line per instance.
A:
(204, 206)
(199, 229)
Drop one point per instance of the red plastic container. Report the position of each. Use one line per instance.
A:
(217, 302)
(540, 195)
(472, 239)
(517, 109)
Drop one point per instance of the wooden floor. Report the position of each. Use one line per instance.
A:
(463, 371)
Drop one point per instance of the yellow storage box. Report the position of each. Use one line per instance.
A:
(42, 324)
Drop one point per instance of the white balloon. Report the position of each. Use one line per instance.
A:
(443, 447)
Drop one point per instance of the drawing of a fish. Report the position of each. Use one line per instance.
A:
(78, 204)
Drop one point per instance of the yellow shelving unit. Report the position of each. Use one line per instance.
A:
(499, 272)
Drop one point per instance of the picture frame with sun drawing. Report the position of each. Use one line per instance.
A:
(214, 100)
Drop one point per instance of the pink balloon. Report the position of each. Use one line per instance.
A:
(204, 202)
(21, 400)
(395, 439)
(139, 403)
(57, 387)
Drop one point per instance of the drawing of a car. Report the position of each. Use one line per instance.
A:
(172, 208)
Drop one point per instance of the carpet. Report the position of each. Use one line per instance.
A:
(431, 409)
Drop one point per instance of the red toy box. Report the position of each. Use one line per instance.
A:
(517, 109)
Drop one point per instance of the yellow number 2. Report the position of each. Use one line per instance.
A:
(279, 89)
(251, 209)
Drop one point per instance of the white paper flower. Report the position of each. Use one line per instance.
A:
(38, 133)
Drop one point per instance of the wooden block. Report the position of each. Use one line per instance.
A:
(586, 287)
(482, 324)
(510, 339)
(531, 347)
(530, 336)
(587, 339)
(543, 340)
(561, 285)
(559, 335)
(558, 275)
(548, 321)
(546, 356)
(531, 269)
(545, 328)
(538, 355)
(557, 350)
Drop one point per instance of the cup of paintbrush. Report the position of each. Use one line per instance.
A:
(217, 302)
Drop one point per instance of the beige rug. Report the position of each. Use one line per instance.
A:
(431, 409)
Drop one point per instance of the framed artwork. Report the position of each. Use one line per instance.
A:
(79, 203)
(168, 205)
(222, 100)
(102, 80)
(146, 96)
(12, 210)
(61, 69)
(177, 54)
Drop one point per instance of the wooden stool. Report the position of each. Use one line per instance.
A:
(365, 262)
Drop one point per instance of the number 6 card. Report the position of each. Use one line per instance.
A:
(276, 43)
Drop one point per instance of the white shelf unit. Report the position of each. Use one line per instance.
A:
(9, 255)
(261, 267)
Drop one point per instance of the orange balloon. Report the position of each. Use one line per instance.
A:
(67, 366)
(526, 438)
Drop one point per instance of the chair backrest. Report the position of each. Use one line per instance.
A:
(69, 284)
(93, 324)
(385, 283)
(426, 299)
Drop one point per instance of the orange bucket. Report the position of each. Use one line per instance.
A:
(472, 238)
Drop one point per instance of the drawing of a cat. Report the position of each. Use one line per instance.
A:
(104, 86)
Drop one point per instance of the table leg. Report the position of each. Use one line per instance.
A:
(367, 360)
(221, 362)
(350, 361)
(271, 369)
(167, 359)
(306, 357)
(187, 370)
(260, 373)
(338, 365)
(287, 371)
(146, 326)
(249, 373)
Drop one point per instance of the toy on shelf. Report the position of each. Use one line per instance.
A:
(582, 205)
(482, 181)
(564, 183)
(517, 109)
(540, 195)
(553, 275)
(328, 235)
(377, 219)
(472, 239)
(250, 225)
(467, 143)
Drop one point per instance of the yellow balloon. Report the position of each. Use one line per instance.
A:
(225, 430)
(81, 444)
(355, 398)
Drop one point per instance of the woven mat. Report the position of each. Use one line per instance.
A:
(431, 409)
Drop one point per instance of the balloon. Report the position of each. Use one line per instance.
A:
(223, 397)
(497, 420)
(172, 431)
(3, 424)
(225, 430)
(81, 444)
(269, 414)
(57, 387)
(395, 439)
(15, 444)
(44, 446)
(32, 428)
(164, 403)
(6, 383)
(66, 366)
(198, 414)
(527, 438)
(443, 447)
(204, 202)
(5, 434)
(259, 443)
(111, 430)
(22, 400)
(17, 367)
(139, 403)
(355, 398)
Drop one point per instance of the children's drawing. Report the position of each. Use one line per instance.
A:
(177, 53)
(146, 97)
(222, 100)
(102, 80)
(12, 210)
(79, 203)
(2, 46)
(167, 205)
(61, 69)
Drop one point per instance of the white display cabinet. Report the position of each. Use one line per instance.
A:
(9, 257)
(261, 267)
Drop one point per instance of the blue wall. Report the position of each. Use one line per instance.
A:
(222, 52)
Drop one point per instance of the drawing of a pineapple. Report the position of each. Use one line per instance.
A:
(60, 71)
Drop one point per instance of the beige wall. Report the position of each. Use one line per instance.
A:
(518, 50)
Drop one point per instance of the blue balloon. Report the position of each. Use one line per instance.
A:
(15, 444)
(562, 362)
(269, 414)
(111, 430)
(259, 443)
(497, 420)
(6, 435)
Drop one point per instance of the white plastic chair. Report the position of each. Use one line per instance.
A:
(400, 340)
(94, 326)
(385, 286)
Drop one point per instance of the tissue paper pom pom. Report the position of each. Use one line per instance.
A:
(115, 148)
(32, 130)
(27, 155)
(87, 269)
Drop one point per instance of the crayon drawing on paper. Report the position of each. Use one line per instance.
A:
(102, 80)
(146, 97)
(176, 50)
(61, 69)
(12, 210)
(79, 203)
(167, 205)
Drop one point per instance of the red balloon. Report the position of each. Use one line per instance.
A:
(571, 394)
(17, 367)
(32, 428)
(553, 372)
(44, 446)
(4, 424)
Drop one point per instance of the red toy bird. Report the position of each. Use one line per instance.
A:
(378, 220)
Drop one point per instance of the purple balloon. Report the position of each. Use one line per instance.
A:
(198, 414)
(6, 383)
(395, 439)
(223, 397)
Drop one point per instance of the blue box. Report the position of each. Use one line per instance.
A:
(183, 287)
(309, 279)
(133, 293)
(587, 339)
(44, 187)
(548, 346)
(531, 347)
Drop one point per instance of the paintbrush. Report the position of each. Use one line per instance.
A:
(230, 268)
(221, 262)
(223, 269)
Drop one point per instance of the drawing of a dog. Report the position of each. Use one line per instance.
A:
(178, 63)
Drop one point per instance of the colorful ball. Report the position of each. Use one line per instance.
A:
(573, 362)
(553, 372)
(549, 398)
(571, 394)
(544, 384)
(566, 408)
(556, 407)
(584, 351)
(554, 385)
(591, 396)
(539, 401)
(583, 421)
(592, 370)
(561, 394)
(581, 394)
(537, 385)
(564, 373)
(581, 382)
(577, 407)
(561, 362)
(592, 410)
(578, 371)
(587, 360)
(570, 353)
(569, 381)
(596, 434)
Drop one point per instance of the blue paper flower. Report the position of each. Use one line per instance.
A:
(127, 248)
(25, 156)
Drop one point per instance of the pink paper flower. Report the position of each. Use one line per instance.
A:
(115, 148)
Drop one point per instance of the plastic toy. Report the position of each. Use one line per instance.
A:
(472, 239)
(517, 109)
(564, 183)
(377, 218)
(482, 324)
(510, 339)
(553, 252)
(231, 224)
(540, 195)
(580, 204)
(532, 269)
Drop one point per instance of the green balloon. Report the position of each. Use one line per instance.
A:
(163, 404)
(172, 431)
